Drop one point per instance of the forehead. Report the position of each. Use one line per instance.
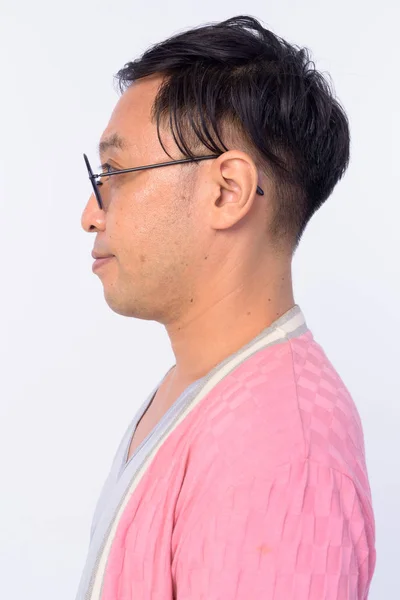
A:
(130, 126)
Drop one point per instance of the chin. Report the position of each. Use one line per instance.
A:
(126, 308)
(117, 306)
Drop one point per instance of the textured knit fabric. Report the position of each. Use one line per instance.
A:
(258, 489)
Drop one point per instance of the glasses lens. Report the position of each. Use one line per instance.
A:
(97, 194)
(93, 182)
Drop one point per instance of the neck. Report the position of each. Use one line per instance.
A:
(218, 325)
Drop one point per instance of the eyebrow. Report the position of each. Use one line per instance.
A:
(114, 141)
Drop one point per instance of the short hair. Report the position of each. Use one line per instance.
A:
(239, 73)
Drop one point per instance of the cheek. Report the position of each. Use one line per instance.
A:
(150, 228)
(135, 237)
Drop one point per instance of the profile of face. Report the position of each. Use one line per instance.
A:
(147, 220)
(160, 224)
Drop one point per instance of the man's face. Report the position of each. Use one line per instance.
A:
(150, 221)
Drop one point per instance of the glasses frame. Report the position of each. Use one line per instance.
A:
(94, 176)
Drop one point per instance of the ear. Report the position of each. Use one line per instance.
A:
(234, 181)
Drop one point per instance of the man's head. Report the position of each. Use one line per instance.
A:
(237, 90)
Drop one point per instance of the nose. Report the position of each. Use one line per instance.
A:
(93, 218)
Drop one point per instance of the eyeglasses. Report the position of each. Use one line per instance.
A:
(96, 182)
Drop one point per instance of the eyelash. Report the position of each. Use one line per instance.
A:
(106, 167)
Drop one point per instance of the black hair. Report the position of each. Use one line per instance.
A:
(239, 73)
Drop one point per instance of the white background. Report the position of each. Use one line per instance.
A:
(73, 373)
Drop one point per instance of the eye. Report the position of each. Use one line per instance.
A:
(106, 168)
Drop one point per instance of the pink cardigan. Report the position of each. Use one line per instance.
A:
(259, 491)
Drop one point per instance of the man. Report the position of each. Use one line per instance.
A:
(243, 474)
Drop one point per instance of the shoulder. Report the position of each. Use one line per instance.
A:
(283, 404)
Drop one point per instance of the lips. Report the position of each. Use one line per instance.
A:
(96, 255)
(101, 261)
